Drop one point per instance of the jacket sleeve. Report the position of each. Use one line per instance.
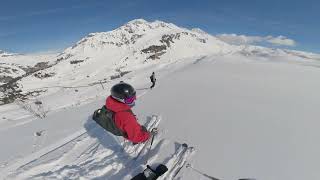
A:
(128, 123)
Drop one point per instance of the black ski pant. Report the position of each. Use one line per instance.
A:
(153, 84)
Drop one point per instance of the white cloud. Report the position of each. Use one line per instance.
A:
(239, 39)
(243, 39)
(281, 41)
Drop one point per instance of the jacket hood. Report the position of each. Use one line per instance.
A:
(115, 105)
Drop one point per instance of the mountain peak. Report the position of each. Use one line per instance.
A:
(141, 23)
(198, 30)
(140, 34)
(138, 21)
(5, 54)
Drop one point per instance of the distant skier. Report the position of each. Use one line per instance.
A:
(116, 115)
(153, 80)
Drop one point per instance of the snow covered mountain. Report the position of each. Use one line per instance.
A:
(4, 54)
(248, 120)
(102, 56)
(14, 68)
(150, 40)
(15, 65)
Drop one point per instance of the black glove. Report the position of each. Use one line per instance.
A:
(150, 174)
(161, 169)
(96, 114)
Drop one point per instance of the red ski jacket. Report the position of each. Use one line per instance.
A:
(126, 121)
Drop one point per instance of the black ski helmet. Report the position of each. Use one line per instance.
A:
(122, 91)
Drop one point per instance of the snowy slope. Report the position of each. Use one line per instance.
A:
(15, 65)
(250, 111)
(248, 118)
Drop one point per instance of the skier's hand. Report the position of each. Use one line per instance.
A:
(143, 128)
(154, 131)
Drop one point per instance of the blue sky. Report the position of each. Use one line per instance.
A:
(49, 25)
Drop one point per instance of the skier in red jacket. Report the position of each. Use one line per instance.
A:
(116, 116)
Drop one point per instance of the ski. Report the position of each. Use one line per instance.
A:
(138, 149)
(178, 160)
(179, 168)
(171, 168)
(144, 147)
(148, 143)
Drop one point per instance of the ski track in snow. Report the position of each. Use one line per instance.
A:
(76, 153)
(83, 156)
(95, 154)
(91, 154)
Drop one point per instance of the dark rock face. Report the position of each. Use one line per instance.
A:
(119, 75)
(43, 75)
(202, 40)
(156, 55)
(11, 90)
(135, 37)
(59, 59)
(5, 79)
(167, 40)
(154, 49)
(5, 70)
(76, 61)
(41, 65)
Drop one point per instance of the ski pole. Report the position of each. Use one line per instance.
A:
(199, 172)
(153, 134)
(210, 177)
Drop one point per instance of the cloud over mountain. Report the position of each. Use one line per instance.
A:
(244, 39)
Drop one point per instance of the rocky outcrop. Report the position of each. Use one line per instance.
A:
(167, 40)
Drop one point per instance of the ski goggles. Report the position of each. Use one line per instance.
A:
(130, 100)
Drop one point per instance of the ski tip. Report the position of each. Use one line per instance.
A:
(155, 116)
(184, 144)
(188, 165)
(187, 146)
